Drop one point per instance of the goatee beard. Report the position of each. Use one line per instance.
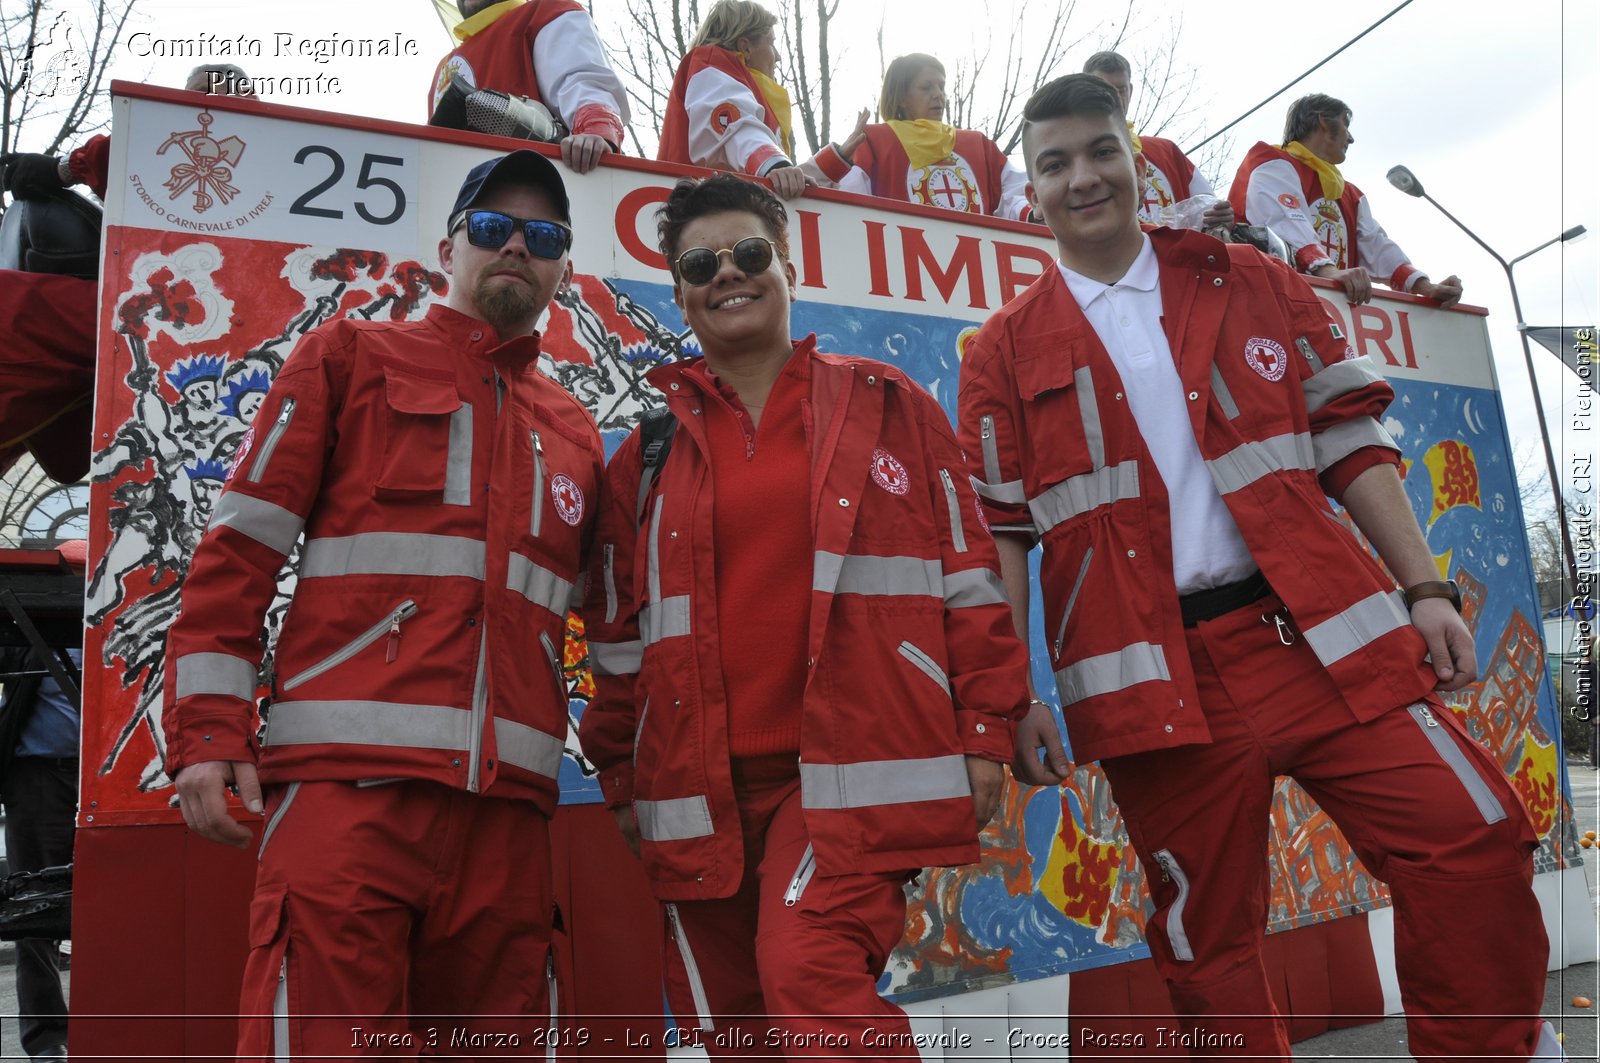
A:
(510, 308)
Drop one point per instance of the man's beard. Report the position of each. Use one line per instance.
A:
(506, 305)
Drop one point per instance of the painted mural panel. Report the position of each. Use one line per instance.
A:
(235, 230)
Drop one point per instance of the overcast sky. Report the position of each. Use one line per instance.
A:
(1491, 104)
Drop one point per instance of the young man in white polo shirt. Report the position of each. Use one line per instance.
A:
(1168, 414)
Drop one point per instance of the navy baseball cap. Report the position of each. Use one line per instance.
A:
(520, 167)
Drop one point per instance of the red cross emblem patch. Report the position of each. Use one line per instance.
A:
(568, 498)
(1266, 357)
(888, 473)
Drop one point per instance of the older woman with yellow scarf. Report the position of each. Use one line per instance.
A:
(914, 155)
(727, 111)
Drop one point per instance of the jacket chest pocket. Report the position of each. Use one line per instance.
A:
(427, 447)
(556, 476)
(1073, 471)
(1060, 415)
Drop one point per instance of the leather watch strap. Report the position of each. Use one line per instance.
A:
(1444, 588)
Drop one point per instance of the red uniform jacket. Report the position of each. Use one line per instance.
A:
(584, 92)
(913, 660)
(976, 179)
(717, 117)
(447, 491)
(1278, 399)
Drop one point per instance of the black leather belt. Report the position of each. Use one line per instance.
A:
(1215, 601)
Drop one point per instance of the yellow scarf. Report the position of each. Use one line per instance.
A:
(1332, 179)
(776, 97)
(483, 18)
(1138, 145)
(926, 141)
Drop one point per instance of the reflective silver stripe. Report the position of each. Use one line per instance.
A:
(870, 783)
(958, 533)
(664, 620)
(1077, 495)
(802, 878)
(1224, 397)
(458, 458)
(536, 521)
(1363, 623)
(616, 658)
(480, 709)
(277, 817)
(258, 468)
(926, 665)
(1309, 353)
(675, 820)
(608, 556)
(528, 748)
(1177, 935)
(1108, 673)
(653, 558)
(1010, 491)
(1343, 440)
(555, 1007)
(1340, 378)
(975, 586)
(393, 553)
(691, 970)
(1443, 741)
(272, 526)
(369, 723)
(1072, 600)
(281, 1050)
(216, 673)
(1089, 408)
(878, 576)
(991, 449)
(538, 584)
(1249, 462)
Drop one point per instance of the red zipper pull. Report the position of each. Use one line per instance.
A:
(394, 640)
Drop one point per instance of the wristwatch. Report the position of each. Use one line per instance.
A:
(1439, 588)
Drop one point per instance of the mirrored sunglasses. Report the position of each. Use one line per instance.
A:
(491, 229)
(751, 255)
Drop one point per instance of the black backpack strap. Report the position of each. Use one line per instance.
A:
(656, 429)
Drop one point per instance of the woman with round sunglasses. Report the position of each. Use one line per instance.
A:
(915, 156)
(727, 111)
(806, 671)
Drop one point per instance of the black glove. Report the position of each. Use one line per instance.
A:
(27, 176)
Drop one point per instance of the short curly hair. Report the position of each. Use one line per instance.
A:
(720, 193)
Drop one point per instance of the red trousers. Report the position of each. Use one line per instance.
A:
(1424, 806)
(786, 968)
(395, 921)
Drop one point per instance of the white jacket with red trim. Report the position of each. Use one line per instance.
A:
(1275, 189)
(1277, 399)
(716, 117)
(447, 491)
(546, 50)
(913, 663)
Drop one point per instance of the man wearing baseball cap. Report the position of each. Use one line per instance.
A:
(407, 769)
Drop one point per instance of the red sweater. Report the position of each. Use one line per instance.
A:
(762, 521)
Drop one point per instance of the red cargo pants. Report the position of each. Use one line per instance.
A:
(1425, 807)
(787, 968)
(395, 921)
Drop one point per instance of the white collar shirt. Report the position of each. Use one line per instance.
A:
(1207, 548)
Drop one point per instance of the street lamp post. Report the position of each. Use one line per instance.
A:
(1407, 182)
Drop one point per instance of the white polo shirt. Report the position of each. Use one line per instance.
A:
(1207, 549)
